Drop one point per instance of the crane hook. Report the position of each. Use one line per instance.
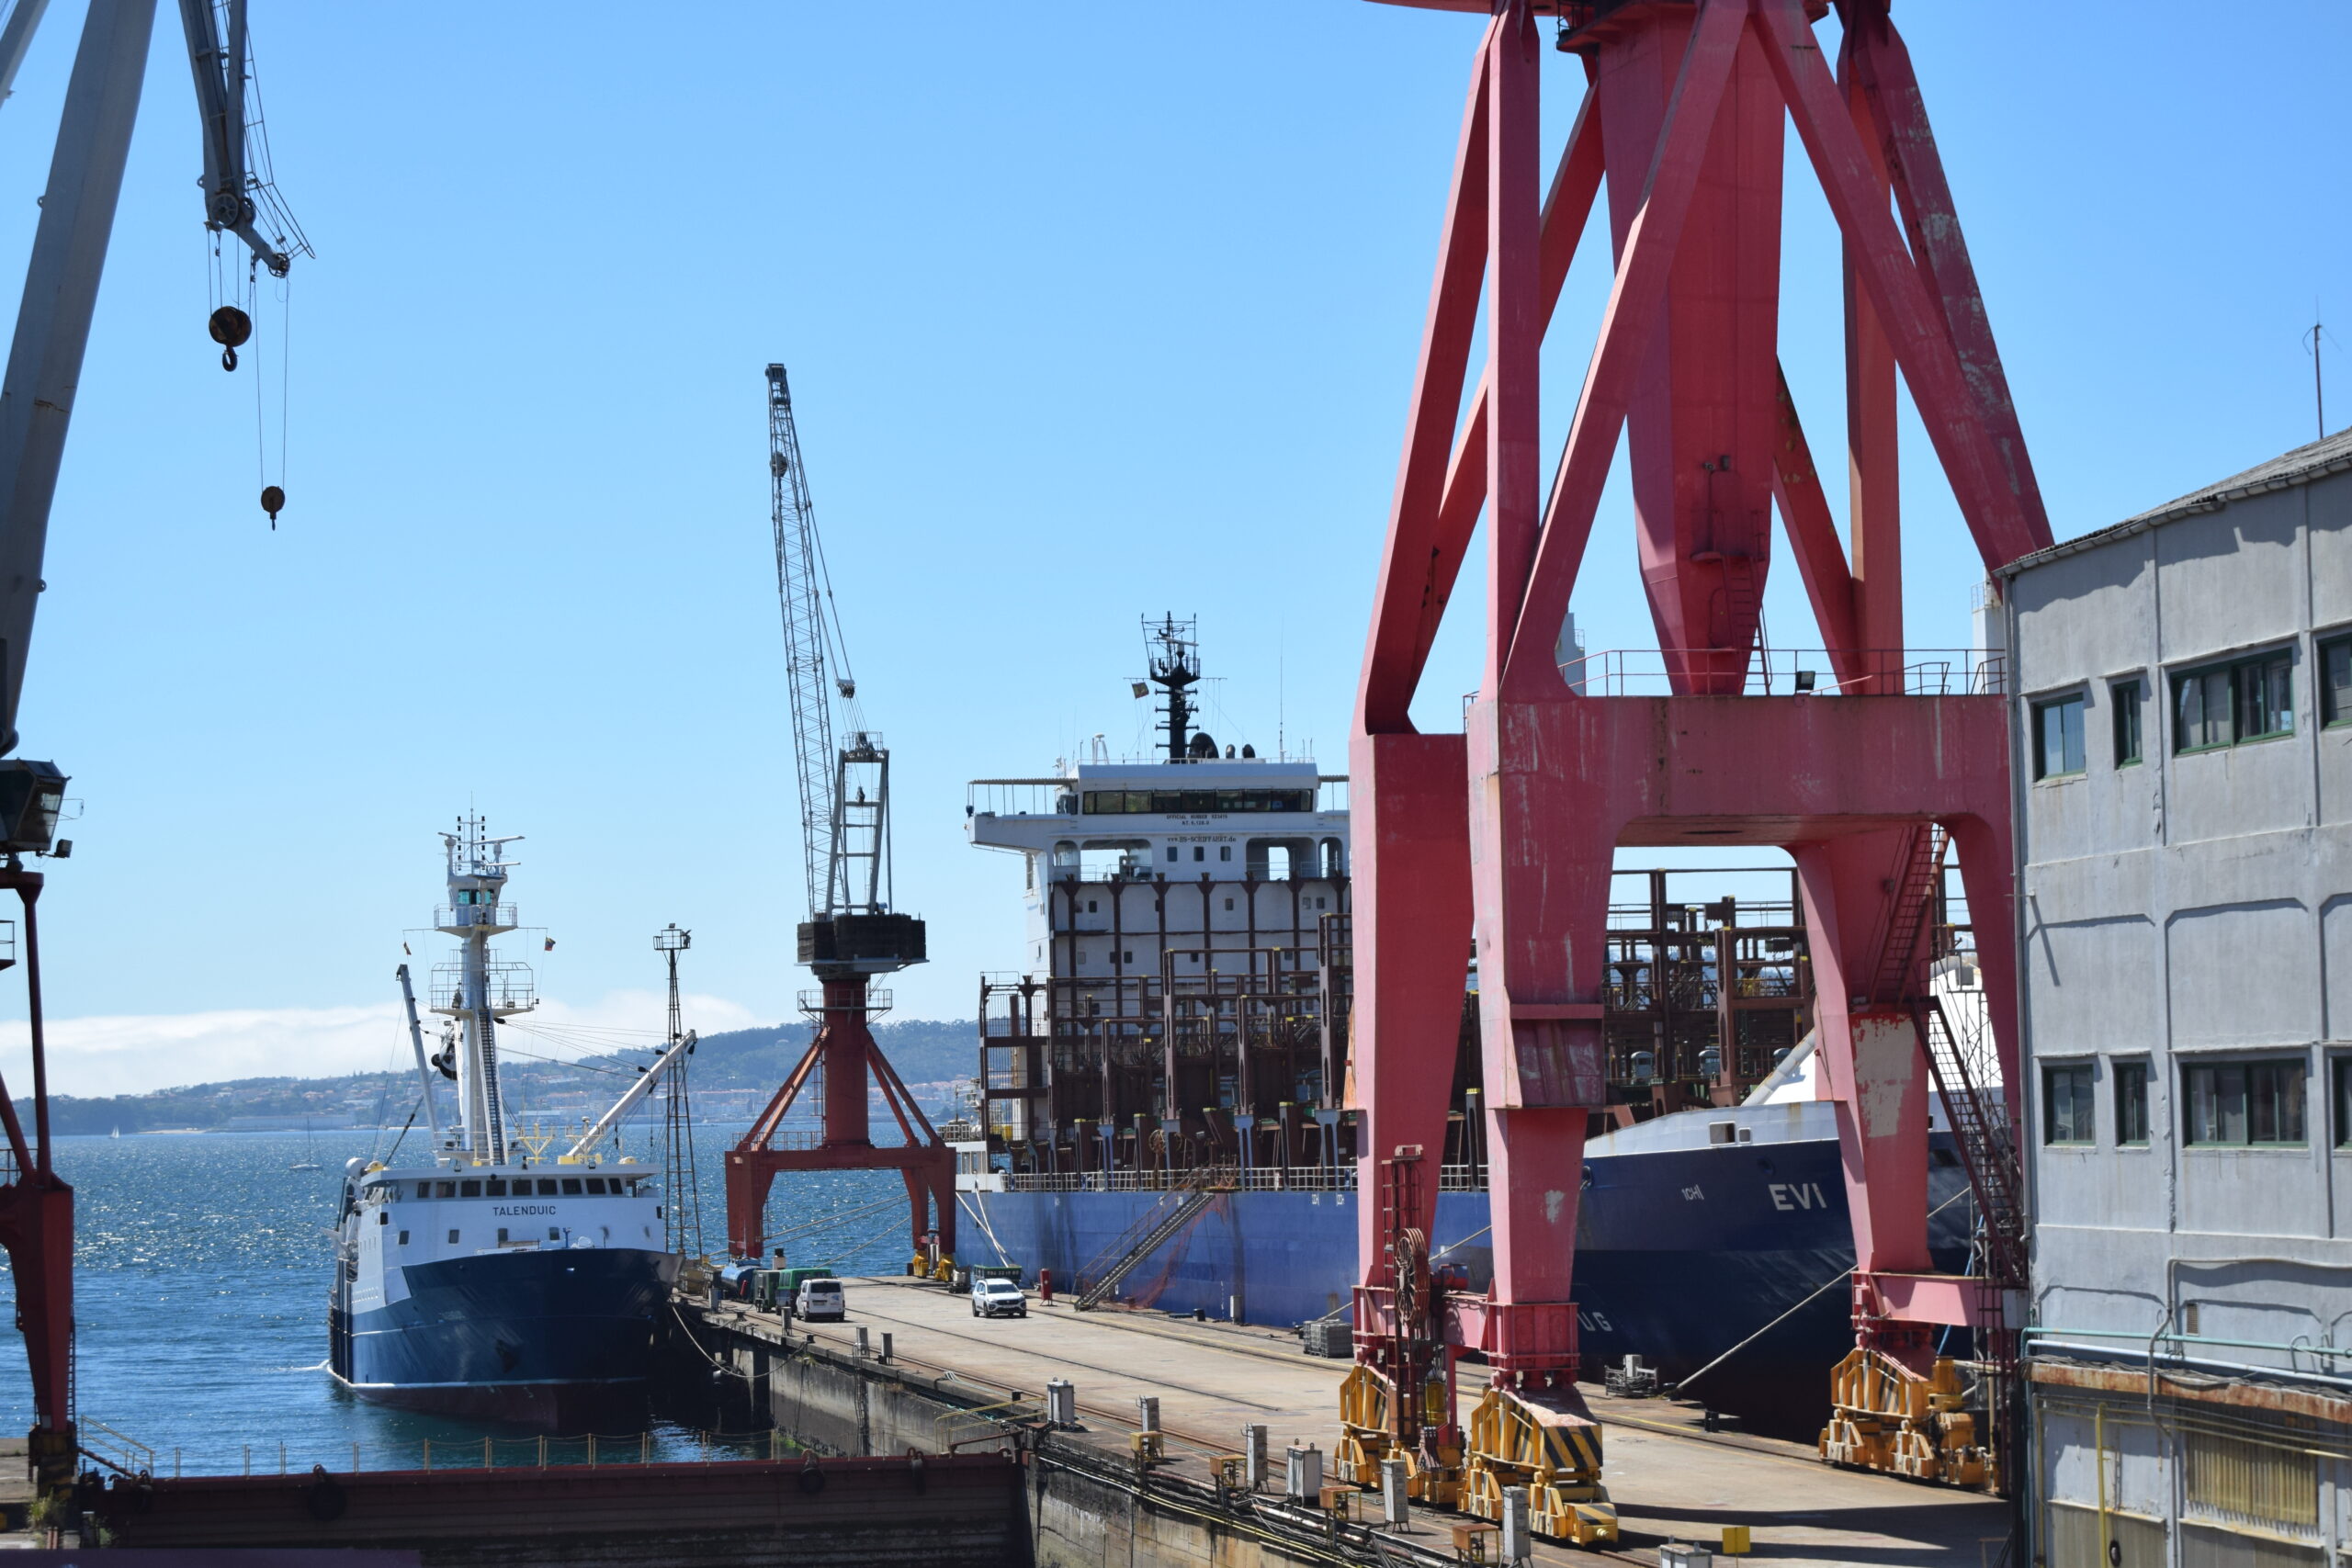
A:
(273, 501)
(229, 327)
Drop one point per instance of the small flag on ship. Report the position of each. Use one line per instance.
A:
(550, 946)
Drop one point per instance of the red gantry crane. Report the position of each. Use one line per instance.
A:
(1508, 830)
(852, 934)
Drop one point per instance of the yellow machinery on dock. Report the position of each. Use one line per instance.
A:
(1368, 1435)
(1546, 1441)
(1885, 1416)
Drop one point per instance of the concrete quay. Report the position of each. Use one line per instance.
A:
(957, 1383)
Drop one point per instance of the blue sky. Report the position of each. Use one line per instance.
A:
(1091, 312)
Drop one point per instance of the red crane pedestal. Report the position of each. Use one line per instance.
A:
(1507, 833)
(37, 1228)
(844, 1055)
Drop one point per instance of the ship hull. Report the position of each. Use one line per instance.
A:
(1682, 1254)
(554, 1338)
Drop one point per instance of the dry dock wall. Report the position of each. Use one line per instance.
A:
(740, 1514)
(1086, 1505)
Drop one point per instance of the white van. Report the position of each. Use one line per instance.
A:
(819, 1301)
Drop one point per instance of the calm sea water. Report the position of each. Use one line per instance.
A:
(201, 1267)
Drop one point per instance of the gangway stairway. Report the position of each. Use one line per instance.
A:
(1094, 1291)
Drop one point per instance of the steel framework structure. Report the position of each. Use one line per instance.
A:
(851, 935)
(1508, 830)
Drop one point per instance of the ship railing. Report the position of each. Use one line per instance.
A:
(459, 917)
(123, 1452)
(273, 1456)
(511, 987)
(1020, 797)
(1790, 672)
(1257, 1179)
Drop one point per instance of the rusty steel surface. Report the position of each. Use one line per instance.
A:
(1501, 840)
(2133, 1382)
(611, 1502)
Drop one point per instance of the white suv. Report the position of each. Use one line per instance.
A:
(997, 1298)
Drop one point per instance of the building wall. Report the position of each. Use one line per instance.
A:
(2189, 910)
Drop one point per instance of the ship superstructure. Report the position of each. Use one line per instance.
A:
(495, 1280)
(1186, 1000)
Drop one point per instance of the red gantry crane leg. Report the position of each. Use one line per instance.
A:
(1508, 831)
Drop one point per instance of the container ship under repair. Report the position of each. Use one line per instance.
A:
(1165, 1086)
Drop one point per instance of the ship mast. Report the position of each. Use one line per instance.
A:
(475, 987)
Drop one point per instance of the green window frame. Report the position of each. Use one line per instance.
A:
(2058, 750)
(2131, 1119)
(2334, 680)
(2244, 1104)
(2068, 1116)
(2123, 697)
(2228, 704)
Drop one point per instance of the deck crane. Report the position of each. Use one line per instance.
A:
(851, 934)
(37, 394)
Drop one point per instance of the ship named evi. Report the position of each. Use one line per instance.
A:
(492, 1281)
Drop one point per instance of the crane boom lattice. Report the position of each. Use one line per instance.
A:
(800, 587)
(852, 934)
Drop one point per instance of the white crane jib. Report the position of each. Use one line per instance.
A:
(44, 368)
(674, 1053)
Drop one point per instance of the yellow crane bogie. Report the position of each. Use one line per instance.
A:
(1546, 1442)
(1888, 1418)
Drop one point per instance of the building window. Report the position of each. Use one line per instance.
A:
(2124, 696)
(2227, 704)
(2066, 1113)
(403, 1238)
(2058, 737)
(2131, 1102)
(2335, 680)
(2343, 1068)
(1225, 851)
(1171, 852)
(2244, 1104)
(453, 1238)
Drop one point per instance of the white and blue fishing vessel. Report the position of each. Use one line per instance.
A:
(495, 1280)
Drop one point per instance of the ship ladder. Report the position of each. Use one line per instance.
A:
(1099, 1290)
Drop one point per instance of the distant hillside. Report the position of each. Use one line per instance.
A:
(727, 1068)
(922, 1050)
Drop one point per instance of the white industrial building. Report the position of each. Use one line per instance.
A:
(2183, 751)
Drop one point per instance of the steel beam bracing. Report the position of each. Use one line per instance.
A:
(1485, 836)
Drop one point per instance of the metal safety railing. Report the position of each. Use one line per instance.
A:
(464, 917)
(1261, 1178)
(280, 1456)
(1791, 672)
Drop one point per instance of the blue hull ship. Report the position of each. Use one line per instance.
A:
(492, 1281)
(1688, 1250)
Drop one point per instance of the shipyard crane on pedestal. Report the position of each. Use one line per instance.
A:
(36, 395)
(852, 934)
